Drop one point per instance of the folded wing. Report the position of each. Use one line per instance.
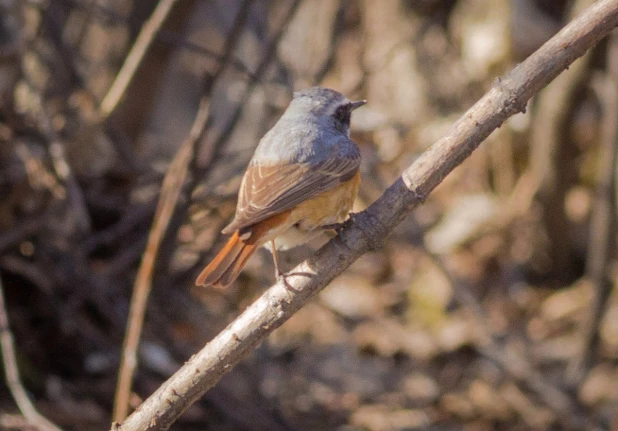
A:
(269, 190)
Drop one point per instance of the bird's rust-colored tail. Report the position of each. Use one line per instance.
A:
(227, 264)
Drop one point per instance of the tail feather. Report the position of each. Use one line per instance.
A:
(227, 264)
(231, 273)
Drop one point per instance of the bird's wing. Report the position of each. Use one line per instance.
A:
(269, 190)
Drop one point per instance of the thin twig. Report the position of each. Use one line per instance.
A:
(11, 373)
(543, 175)
(370, 228)
(183, 43)
(135, 57)
(28, 270)
(549, 165)
(62, 168)
(204, 159)
(603, 219)
(170, 191)
(21, 230)
(99, 11)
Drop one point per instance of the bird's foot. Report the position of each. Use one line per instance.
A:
(283, 277)
(337, 227)
(334, 226)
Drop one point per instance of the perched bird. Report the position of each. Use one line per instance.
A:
(302, 179)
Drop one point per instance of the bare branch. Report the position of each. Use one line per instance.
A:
(170, 191)
(549, 164)
(603, 219)
(11, 372)
(135, 56)
(369, 229)
(205, 157)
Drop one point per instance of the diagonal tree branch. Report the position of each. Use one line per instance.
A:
(170, 192)
(135, 57)
(369, 229)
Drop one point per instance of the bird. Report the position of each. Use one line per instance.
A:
(302, 180)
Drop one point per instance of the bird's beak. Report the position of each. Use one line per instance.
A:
(358, 104)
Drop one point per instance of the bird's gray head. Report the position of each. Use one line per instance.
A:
(326, 104)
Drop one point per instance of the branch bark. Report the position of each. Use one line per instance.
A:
(369, 229)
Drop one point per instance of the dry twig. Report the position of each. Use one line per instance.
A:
(603, 220)
(170, 191)
(369, 229)
(11, 372)
(205, 158)
(544, 178)
(135, 57)
(74, 193)
(550, 167)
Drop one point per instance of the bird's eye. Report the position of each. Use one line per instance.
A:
(342, 114)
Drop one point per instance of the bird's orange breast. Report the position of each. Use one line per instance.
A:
(326, 208)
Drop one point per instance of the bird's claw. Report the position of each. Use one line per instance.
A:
(337, 227)
(282, 277)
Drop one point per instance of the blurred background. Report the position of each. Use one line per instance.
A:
(490, 308)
